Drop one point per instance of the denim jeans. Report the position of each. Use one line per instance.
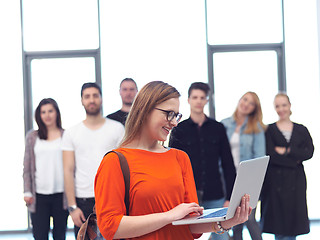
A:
(216, 204)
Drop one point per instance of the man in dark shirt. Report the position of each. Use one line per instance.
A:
(206, 142)
(128, 91)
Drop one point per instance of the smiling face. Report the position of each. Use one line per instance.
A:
(48, 115)
(282, 107)
(158, 127)
(246, 105)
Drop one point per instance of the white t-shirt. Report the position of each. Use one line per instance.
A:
(89, 147)
(49, 166)
(235, 148)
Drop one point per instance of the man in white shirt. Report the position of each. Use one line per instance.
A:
(84, 146)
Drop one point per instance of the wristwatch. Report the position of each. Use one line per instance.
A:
(72, 208)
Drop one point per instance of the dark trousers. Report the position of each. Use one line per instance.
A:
(49, 206)
(86, 205)
(252, 225)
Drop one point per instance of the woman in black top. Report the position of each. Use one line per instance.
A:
(283, 201)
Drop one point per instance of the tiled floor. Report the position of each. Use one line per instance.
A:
(313, 235)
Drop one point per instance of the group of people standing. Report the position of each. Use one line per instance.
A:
(216, 151)
(166, 183)
(60, 165)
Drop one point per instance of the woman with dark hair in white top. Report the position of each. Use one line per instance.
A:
(43, 173)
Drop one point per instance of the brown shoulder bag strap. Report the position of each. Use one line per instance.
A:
(126, 176)
(89, 229)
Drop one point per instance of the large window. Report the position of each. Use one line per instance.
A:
(241, 35)
(60, 54)
(150, 40)
(60, 25)
(244, 22)
(61, 79)
(302, 62)
(238, 72)
(11, 122)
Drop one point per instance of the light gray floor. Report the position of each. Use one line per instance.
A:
(313, 235)
(28, 236)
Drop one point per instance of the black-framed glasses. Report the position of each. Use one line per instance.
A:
(171, 115)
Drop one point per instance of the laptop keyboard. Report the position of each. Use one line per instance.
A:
(220, 213)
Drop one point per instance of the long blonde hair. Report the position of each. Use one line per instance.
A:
(253, 118)
(152, 94)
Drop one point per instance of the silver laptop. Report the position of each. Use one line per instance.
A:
(249, 180)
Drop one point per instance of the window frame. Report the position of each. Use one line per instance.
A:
(27, 81)
(279, 48)
(28, 56)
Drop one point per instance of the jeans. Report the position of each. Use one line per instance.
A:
(47, 206)
(281, 237)
(216, 204)
(252, 225)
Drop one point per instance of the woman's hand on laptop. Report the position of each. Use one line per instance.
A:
(183, 210)
(241, 215)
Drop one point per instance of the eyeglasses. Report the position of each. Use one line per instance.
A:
(171, 115)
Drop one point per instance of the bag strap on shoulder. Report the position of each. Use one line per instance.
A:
(89, 229)
(126, 176)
